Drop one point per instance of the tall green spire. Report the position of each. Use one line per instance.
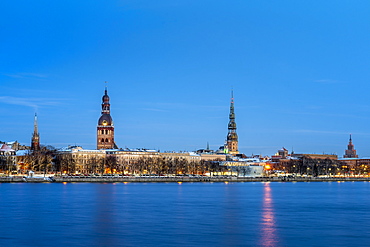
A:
(232, 124)
(232, 137)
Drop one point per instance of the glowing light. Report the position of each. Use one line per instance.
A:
(267, 167)
(268, 233)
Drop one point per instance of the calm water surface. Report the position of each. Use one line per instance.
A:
(187, 214)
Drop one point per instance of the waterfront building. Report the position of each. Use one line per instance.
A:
(315, 156)
(105, 128)
(245, 167)
(232, 137)
(75, 158)
(5, 150)
(303, 164)
(351, 151)
(7, 158)
(357, 166)
(35, 142)
(85, 160)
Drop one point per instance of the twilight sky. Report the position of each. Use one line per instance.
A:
(299, 69)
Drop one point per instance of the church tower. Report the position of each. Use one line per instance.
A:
(105, 129)
(351, 151)
(232, 137)
(35, 142)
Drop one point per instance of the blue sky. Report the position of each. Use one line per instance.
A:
(299, 70)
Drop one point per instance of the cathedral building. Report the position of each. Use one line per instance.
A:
(351, 151)
(105, 129)
(35, 142)
(232, 137)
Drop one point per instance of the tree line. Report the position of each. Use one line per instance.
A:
(49, 160)
(65, 163)
(319, 167)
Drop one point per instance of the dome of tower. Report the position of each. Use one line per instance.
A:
(105, 98)
(105, 119)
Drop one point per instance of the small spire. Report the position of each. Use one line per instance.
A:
(35, 143)
(35, 125)
(106, 88)
(350, 137)
(232, 113)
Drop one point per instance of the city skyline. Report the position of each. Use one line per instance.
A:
(299, 73)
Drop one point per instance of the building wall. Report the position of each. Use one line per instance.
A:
(84, 157)
(105, 137)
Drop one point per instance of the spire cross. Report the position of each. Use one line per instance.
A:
(106, 87)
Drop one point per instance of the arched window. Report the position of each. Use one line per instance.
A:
(106, 132)
(106, 140)
(102, 140)
(102, 132)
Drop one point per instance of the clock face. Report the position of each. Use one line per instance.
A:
(105, 122)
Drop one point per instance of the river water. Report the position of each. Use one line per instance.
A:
(185, 214)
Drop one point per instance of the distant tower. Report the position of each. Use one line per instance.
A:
(232, 137)
(351, 151)
(35, 143)
(105, 129)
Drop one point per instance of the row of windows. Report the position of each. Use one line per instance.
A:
(106, 132)
(84, 157)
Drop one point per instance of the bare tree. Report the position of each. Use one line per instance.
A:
(111, 163)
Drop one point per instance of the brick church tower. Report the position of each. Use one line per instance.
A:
(35, 142)
(105, 129)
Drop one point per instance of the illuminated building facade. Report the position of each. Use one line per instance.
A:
(84, 159)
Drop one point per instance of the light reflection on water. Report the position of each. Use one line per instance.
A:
(268, 222)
